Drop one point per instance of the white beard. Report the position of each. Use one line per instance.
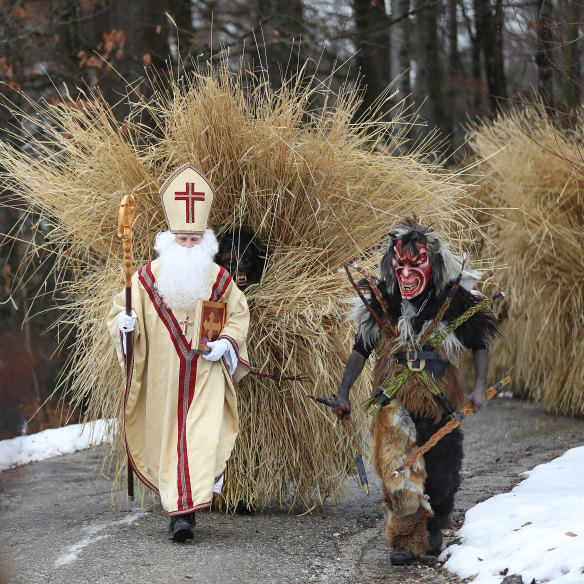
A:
(184, 272)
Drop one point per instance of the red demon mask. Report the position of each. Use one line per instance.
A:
(413, 272)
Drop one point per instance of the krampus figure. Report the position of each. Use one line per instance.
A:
(417, 274)
(242, 256)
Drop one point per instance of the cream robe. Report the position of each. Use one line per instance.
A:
(180, 412)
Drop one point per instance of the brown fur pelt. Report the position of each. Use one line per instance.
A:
(405, 505)
(408, 532)
(413, 394)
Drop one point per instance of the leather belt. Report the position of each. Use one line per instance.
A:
(422, 361)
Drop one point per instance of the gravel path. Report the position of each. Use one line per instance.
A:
(58, 527)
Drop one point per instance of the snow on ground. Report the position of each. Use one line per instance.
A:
(536, 530)
(49, 443)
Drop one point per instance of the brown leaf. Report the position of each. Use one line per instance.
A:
(528, 523)
(571, 534)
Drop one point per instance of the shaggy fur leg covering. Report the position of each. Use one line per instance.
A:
(443, 464)
(408, 532)
(405, 503)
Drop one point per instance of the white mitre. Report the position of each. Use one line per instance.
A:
(186, 197)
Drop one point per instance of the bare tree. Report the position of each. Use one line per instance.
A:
(400, 52)
(489, 26)
(182, 15)
(372, 43)
(543, 56)
(282, 27)
(429, 76)
(571, 77)
(120, 42)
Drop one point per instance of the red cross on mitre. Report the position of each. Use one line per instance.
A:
(190, 196)
(189, 185)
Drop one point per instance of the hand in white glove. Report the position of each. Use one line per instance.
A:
(218, 349)
(126, 323)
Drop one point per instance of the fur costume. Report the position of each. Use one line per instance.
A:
(422, 497)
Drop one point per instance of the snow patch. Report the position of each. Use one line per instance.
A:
(536, 530)
(54, 442)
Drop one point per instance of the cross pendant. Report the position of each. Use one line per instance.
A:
(186, 323)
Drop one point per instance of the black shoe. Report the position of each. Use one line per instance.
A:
(400, 556)
(435, 542)
(181, 527)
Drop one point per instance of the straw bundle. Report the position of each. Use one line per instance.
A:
(534, 172)
(317, 190)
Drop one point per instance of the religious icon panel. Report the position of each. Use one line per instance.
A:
(211, 322)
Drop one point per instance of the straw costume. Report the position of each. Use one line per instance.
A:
(417, 275)
(531, 169)
(294, 169)
(180, 406)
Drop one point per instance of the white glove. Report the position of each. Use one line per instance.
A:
(218, 349)
(126, 323)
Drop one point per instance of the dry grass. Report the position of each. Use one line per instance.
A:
(534, 173)
(317, 189)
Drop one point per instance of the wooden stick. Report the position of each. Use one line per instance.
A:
(125, 220)
(448, 427)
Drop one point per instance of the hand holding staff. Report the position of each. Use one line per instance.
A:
(448, 427)
(125, 220)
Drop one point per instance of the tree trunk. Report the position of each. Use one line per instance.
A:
(488, 30)
(182, 13)
(455, 105)
(475, 90)
(543, 56)
(127, 36)
(143, 24)
(500, 86)
(429, 96)
(400, 48)
(572, 74)
(372, 43)
(282, 24)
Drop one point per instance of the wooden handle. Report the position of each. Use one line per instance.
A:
(125, 220)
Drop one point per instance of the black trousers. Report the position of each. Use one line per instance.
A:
(443, 464)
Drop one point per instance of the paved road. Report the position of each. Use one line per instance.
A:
(58, 527)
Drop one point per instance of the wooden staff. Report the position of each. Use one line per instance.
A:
(125, 220)
(448, 427)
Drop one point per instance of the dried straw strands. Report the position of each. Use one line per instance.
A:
(315, 188)
(534, 172)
